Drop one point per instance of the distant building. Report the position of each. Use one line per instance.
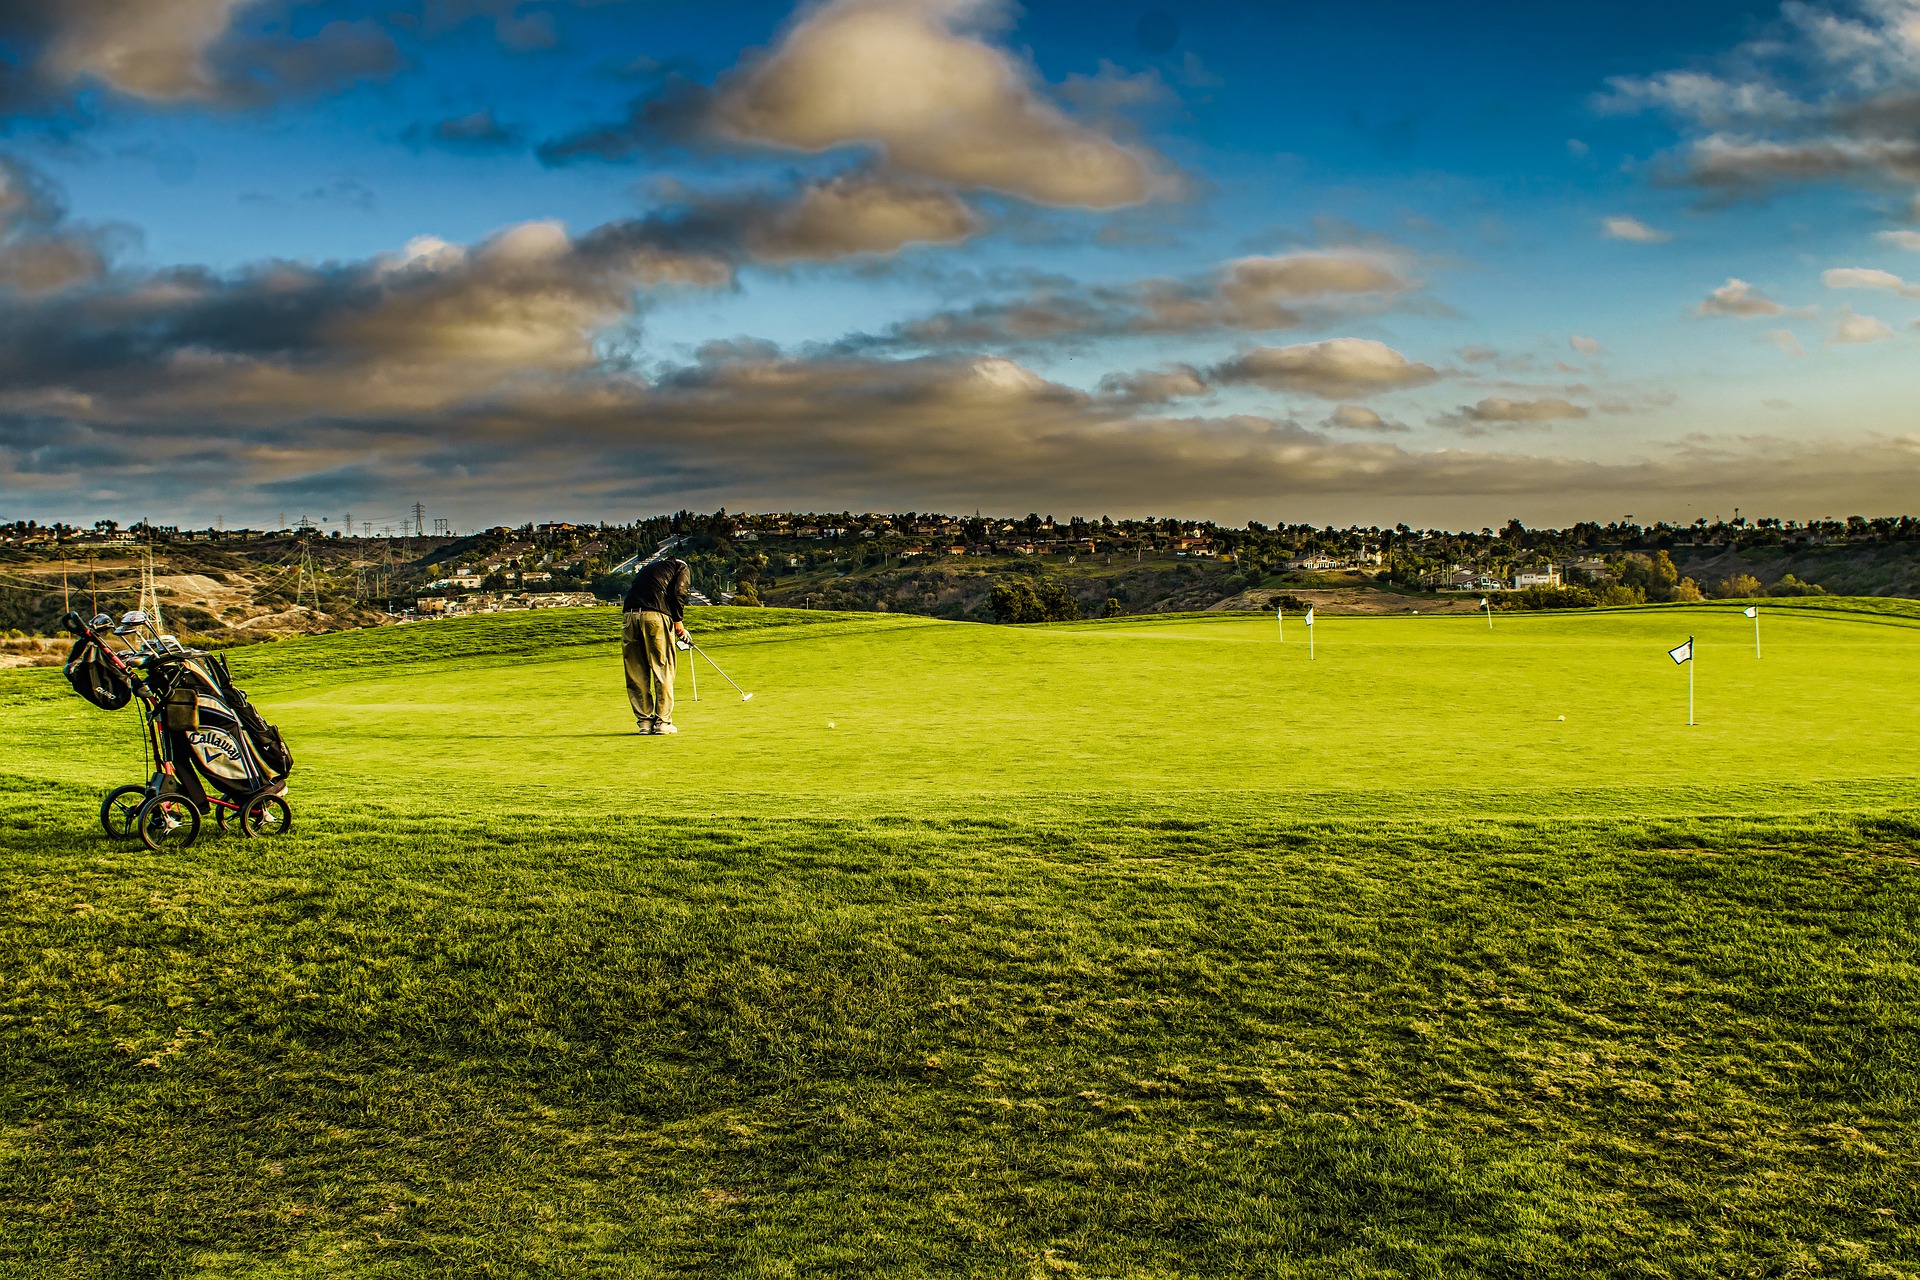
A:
(1547, 577)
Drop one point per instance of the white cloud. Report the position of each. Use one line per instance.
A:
(917, 80)
(1851, 329)
(174, 51)
(1868, 278)
(1626, 228)
(1155, 386)
(1909, 240)
(1738, 298)
(1586, 346)
(1357, 417)
(1332, 370)
(1502, 409)
(1787, 341)
(1836, 97)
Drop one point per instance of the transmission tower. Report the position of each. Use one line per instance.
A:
(419, 520)
(149, 597)
(308, 581)
(442, 528)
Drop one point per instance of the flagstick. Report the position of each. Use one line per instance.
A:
(1280, 616)
(1693, 656)
(1309, 644)
(1756, 631)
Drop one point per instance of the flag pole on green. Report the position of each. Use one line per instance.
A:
(1753, 611)
(1684, 654)
(1309, 633)
(1488, 606)
(1280, 617)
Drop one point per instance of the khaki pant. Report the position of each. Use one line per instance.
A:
(647, 646)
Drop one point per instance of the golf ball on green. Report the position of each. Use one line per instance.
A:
(829, 724)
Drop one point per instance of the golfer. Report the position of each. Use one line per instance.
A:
(655, 605)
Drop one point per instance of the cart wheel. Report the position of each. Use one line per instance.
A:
(267, 816)
(168, 823)
(225, 816)
(120, 808)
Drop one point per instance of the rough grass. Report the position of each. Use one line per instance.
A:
(504, 1006)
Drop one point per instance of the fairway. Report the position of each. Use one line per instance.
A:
(1392, 714)
(1149, 947)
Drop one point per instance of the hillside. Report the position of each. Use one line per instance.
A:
(1887, 569)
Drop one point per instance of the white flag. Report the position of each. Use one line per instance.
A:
(1753, 611)
(1483, 602)
(1683, 654)
(1309, 615)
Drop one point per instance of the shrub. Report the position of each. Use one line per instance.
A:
(1619, 593)
(1792, 586)
(1288, 601)
(1687, 591)
(1740, 586)
(1549, 598)
(1019, 601)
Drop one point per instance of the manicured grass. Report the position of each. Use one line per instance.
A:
(1138, 950)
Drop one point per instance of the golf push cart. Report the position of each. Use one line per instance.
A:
(196, 725)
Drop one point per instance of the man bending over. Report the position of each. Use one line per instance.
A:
(656, 603)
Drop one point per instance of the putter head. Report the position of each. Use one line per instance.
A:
(746, 697)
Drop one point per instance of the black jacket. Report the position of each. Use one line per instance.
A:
(662, 587)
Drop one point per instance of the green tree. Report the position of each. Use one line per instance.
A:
(1015, 602)
(1057, 601)
(1112, 610)
(1655, 576)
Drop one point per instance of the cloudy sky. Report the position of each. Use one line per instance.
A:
(1436, 262)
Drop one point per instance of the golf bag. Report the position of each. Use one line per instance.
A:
(201, 728)
(210, 722)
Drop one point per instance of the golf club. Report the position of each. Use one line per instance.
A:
(692, 666)
(744, 695)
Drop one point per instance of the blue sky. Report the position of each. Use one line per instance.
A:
(1441, 263)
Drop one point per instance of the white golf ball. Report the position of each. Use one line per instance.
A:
(830, 723)
(1560, 717)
